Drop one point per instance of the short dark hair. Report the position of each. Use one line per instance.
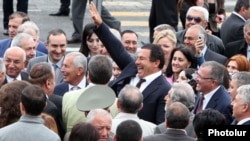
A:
(128, 130)
(241, 3)
(54, 32)
(100, 69)
(205, 119)
(156, 53)
(128, 31)
(84, 132)
(33, 99)
(40, 73)
(19, 14)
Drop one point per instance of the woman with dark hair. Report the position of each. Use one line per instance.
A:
(84, 132)
(10, 97)
(187, 76)
(90, 45)
(180, 58)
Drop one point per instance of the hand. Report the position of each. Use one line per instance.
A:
(94, 14)
(199, 45)
(220, 18)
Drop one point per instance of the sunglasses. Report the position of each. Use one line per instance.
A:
(196, 19)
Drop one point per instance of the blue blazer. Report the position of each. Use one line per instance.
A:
(220, 101)
(154, 93)
(61, 88)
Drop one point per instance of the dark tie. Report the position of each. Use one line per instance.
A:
(54, 66)
(75, 88)
(138, 85)
(200, 105)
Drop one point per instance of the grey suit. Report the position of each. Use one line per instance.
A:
(28, 128)
(170, 135)
(161, 128)
(33, 61)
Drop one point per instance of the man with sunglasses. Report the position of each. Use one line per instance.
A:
(211, 79)
(199, 15)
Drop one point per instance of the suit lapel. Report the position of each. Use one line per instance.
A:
(153, 86)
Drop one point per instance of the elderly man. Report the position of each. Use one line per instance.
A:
(14, 60)
(74, 69)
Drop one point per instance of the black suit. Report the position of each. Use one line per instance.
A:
(162, 12)
(22, 5)
(232, 29)
(213, 56)
(153, 94)
(24, 76)
(54, 111)
(236, 47)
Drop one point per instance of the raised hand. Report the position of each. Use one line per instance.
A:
(94, 14)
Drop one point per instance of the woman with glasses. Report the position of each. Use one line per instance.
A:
(237, 63)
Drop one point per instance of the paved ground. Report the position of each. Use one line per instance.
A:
(132, 13)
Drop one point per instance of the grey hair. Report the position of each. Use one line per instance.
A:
(28, 25)
(199, 9)
(17, 40)
(183, 93)
(200, 28)
(241, 78)
(2, 66)
(79, 61)
(164, 27)
(97, 112)
(244, 92)
(246, 25)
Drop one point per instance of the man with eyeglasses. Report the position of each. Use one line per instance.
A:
(212, 79)
(199, 15)
(14, 61)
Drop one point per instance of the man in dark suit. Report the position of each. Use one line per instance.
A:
(42, 75)
(162, 12)
(175, 130)
(242, 113)
(148, 66)
(232, 27)
(74, 69)
(56, 45)
(195, 39)
(210, 79)
(14, 61)
(240, 46)
(198, 15)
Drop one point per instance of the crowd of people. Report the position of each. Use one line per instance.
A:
(172, 88)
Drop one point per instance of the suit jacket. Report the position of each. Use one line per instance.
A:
(55, 112)
(236, 47)
(246, 123)
(213, 43)
(33, 61)
(161, 128)
(213, 56)
(220, 101)
(170, 135)
(28, 128)
(61, 88)
(232, 29)
(153, 94)
(24, 76)
(5, 44)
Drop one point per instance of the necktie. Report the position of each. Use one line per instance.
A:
(200, 105)
(138, 85)
(54, 66)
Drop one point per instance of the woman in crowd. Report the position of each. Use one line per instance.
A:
(180, 58)
(167, 40)
(90, 45)
(10, 95)
(237, 63)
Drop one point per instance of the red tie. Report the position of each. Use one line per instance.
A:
(200, 105)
